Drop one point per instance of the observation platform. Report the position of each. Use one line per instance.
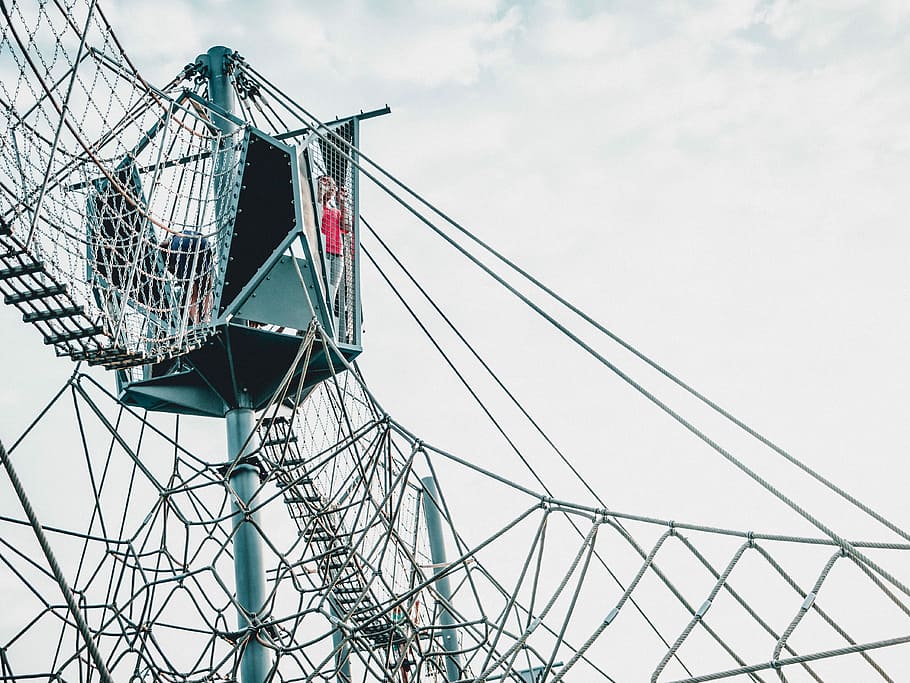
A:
(192, 251)
(266, 277)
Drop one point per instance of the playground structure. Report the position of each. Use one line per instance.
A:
(178, 237)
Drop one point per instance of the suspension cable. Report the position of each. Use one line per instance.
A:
(310, 118)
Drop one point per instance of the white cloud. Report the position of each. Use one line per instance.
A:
(440, 51)
(159, 42)
(565, 36)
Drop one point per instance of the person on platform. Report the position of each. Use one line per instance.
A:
(189, 257)
(335, 226)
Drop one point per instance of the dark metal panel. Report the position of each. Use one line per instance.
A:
(266, 213)
(185, 399)
(239, 359)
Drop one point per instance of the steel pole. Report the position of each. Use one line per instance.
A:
(447, 620)
(221, 92)
(243, 441)
(216, 65)
(249, 571)
(342, 655)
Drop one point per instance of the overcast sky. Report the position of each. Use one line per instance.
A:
(719, 183)
(722, 184)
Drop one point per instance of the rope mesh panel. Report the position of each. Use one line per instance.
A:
(347, 553)
(112, 192)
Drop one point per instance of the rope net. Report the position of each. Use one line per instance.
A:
(540, 588)
(113, 194)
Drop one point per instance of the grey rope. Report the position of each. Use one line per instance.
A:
(742, 602)
(588, 541)
(803, 609)
(71, 603)
(690, 427)
(567, 304)
(699, 615)
(613, 613)
(676, 416)
(777, 663)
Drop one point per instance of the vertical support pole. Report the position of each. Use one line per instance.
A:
(249, 572)
(433, 518)
(220, 90)
(216, 65)
(342, 656)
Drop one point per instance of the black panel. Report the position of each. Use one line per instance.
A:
(265, 214)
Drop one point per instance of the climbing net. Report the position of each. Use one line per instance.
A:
(534, 587)
(113, 194)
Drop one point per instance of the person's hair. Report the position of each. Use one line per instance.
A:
(322, 191)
